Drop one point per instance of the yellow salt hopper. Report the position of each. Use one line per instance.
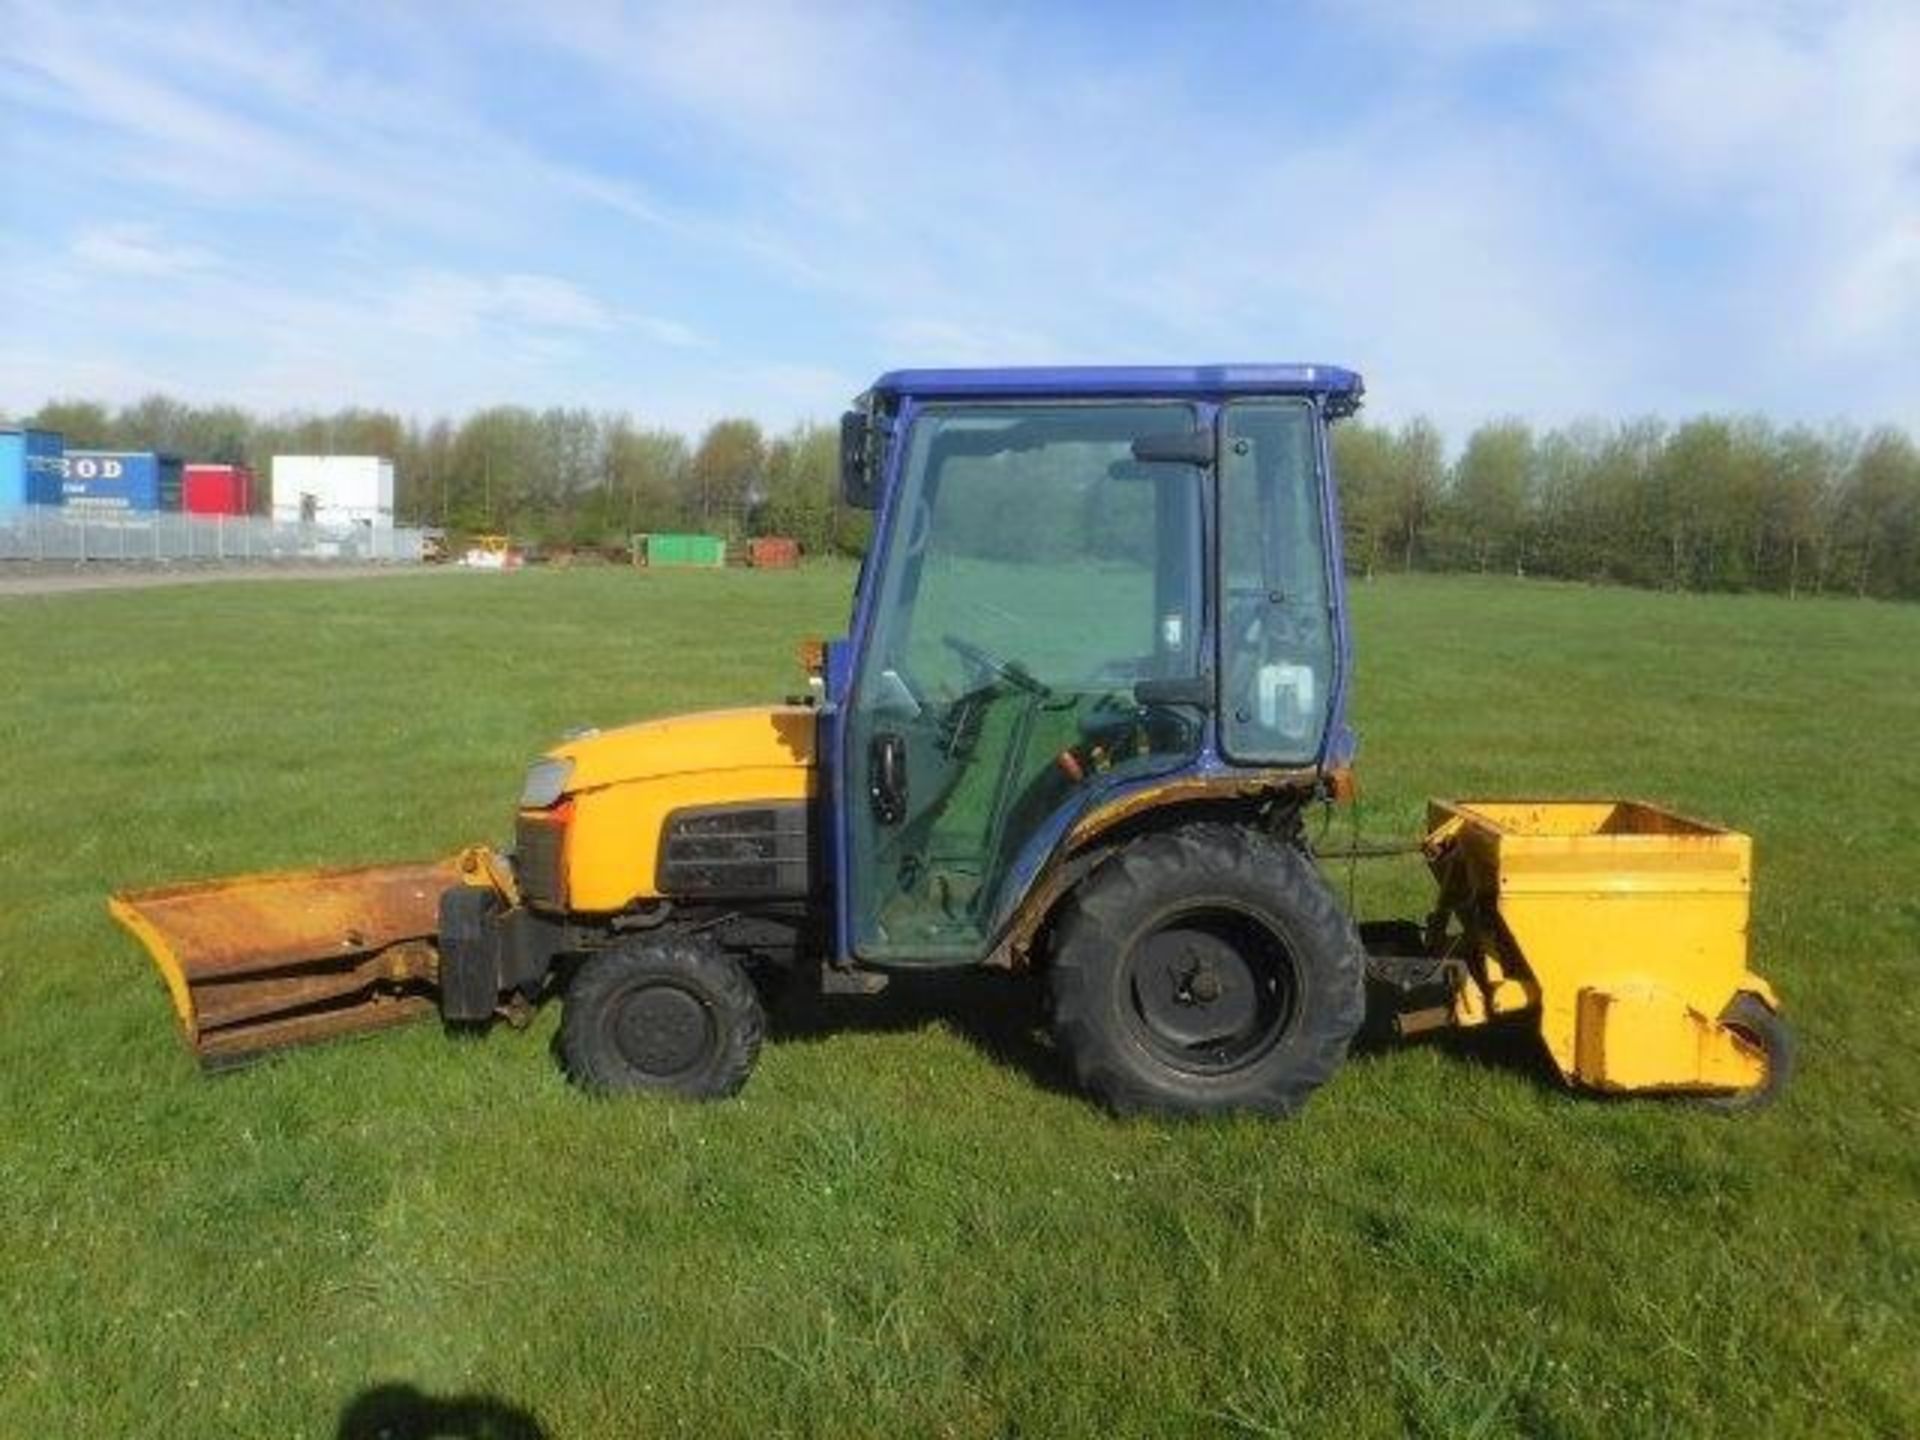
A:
(1618, 929)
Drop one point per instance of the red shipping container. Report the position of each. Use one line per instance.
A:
(773, 552)
(216, 490)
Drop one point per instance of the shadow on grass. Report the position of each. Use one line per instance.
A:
(1002, 1016)
(400, 1412)
(1513, 1047)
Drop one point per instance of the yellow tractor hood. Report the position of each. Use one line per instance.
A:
(762, 737)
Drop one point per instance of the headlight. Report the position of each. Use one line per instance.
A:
(546, 783)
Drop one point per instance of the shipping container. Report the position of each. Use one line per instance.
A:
(216, 490)
(333, 490)
(707, 550)
(120, 480)
(30, 466)
(773, 552)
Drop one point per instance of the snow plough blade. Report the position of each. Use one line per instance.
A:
(260, 962)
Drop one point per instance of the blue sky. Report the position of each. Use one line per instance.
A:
(1496, 207)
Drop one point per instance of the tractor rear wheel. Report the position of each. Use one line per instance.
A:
(1205, 969)
(670, 1013)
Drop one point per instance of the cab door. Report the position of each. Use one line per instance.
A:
(1032, 575)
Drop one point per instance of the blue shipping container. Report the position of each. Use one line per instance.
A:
(30, 466)
(120, 480)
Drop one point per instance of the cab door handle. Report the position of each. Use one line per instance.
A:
(887, 778)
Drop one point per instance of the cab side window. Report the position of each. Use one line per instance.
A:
(1276, 639)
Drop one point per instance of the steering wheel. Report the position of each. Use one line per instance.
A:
(987, 663)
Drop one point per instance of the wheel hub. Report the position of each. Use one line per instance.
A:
(663, 1030)
(1211, 990)
(1193, 988)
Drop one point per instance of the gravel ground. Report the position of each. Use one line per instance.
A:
(35, 577)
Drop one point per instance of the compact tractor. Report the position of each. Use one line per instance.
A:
(1094, 684)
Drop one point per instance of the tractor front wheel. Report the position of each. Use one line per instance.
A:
(1205, 969)
(674, 1014)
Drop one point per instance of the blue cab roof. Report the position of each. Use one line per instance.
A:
(1194, 381)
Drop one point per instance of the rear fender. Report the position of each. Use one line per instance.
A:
(1066, 848)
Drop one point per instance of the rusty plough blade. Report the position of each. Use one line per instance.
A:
(259, 962)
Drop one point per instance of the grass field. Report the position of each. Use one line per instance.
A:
(906, 1225)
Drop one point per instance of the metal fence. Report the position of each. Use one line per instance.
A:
(47, 532)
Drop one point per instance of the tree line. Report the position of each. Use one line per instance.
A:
(1713, 503)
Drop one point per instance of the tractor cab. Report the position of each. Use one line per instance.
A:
(1084, 585)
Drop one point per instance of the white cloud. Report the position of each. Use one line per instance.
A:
(253, 114)
(1653, 207)
(449, 304)
(430, 342)
(914, 339)
(1877, 294)
(443, 303)
(797, 391)
(1441, 29)
(964, 214)
(667, 332)
(133, 248)
(1793, 132)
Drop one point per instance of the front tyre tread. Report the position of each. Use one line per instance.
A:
(688, 967)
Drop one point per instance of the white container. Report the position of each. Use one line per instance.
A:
(343, 490)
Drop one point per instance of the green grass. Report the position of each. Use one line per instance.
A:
(905, 1225)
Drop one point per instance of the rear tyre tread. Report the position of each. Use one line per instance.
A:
(1087, 964)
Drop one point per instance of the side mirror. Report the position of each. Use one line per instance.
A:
(1179, 447)
(857, 487)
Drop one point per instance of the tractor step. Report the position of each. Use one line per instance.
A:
(851, 980)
